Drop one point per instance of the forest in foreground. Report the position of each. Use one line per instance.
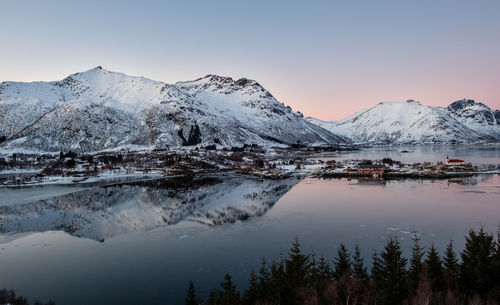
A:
(427, 277)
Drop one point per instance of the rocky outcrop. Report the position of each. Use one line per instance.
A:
(194, 136)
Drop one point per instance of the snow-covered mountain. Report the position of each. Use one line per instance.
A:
(99, 109)
(477, 116)
(413, 123)
(102, 212)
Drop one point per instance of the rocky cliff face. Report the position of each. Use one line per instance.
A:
(99, 109)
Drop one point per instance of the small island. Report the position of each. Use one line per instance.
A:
(391, 169)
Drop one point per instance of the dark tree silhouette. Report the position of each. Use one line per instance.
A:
(325, 275)
(477, 263)
(263, 280)
(417, 254)
(313, 275)
(393, 280)
(279, 285)
(192, 295)
(358, 267)
(296, 267)
(376, 270)
(342, 262)
(451, 267)
(434, 269)
(251, 295)
(228, 295)
(10, 297)
(303, 279)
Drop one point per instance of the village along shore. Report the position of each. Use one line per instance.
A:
(69, 168)
(393, 169)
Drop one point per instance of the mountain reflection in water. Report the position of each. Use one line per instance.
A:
(104, 211)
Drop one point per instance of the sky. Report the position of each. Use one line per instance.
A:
(327, 59)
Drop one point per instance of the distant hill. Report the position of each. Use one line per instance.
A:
(413, 123)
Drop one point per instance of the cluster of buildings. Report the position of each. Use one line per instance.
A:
(368, 168)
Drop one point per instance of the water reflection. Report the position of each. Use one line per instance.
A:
(372, 181)
(101, 212)
(154, 266)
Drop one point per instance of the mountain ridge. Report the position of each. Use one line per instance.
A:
(411, 122)
(99, 109)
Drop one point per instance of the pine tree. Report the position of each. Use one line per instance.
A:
(342, 262)
(313, 275)
(415, 270)
(297, 266)
(263, 280)
(324, 275)
(228, 295)
(496, 269)
(434, 269)
(251, 293)
(213, 296)
(296, 271)
(451, 267)
(325, 272)
(376, 270)
(393, 280)
(477, 261)
(192, 295)
(279, 289)
(358, 265)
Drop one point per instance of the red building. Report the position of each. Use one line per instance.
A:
(455, 162)
(371, 169)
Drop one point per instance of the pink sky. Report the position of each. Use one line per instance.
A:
(337, 103)
(333, 98)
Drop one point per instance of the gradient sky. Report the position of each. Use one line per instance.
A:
(327, 59)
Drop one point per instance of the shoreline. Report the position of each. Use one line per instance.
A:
(395, 176)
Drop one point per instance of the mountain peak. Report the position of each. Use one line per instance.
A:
(95, 69)
(413, 123)
(409, 101)
(243, 82)
(224, 84)
(463, 103)
(98, 109)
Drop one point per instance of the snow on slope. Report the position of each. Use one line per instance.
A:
(99, 109)
(405, 123)
(476, 116)
(100, 213)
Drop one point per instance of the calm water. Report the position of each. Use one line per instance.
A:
(140, 243)
(485, 155)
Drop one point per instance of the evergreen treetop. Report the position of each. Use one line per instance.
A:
(358, 265)
(342, 262)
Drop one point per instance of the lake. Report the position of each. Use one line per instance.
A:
(140, 242)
